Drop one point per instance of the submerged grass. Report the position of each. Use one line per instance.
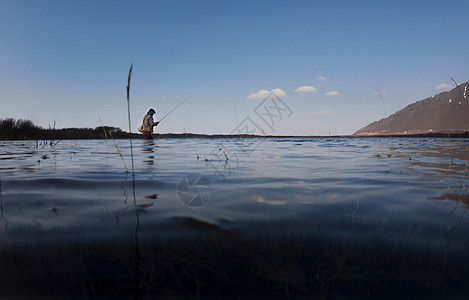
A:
(217, 263)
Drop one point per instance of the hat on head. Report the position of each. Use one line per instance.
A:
(152, 111)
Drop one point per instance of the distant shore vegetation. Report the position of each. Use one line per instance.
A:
(11, 129)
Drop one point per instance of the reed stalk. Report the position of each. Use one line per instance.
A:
(385, 114)
(115, 144)
(128, 116)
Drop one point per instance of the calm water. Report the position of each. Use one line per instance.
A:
(405, 196)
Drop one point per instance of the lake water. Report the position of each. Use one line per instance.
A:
(310, 217)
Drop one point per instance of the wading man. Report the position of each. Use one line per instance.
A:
(148, 124)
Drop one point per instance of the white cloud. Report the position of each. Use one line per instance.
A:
(279, 92)
(322, 113)
(443, 86)
(264, 93)
(306, 89)
(259, 94)
(321, 78)
(332, 93)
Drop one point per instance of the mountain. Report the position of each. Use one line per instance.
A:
(447, 112)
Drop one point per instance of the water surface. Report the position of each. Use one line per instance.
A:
(326, 212)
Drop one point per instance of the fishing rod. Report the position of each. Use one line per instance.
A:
(174, 109)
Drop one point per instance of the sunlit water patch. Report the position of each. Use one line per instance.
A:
(328, 213)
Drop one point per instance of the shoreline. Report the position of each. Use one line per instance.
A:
(125, 135)
(432, 134)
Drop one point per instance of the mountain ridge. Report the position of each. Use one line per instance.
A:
(446, 112)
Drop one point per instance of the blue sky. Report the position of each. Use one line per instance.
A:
(67, 61)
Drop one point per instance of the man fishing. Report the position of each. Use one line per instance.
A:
(148, 124)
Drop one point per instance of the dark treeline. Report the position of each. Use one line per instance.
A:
(18, 129)
(11, 129)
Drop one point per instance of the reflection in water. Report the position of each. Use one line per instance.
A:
(137, 248)
(443, 154)
(137, 256)
(460, 199)
(148, 149)
(137, 208)
(1, 206)
(261, 199)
